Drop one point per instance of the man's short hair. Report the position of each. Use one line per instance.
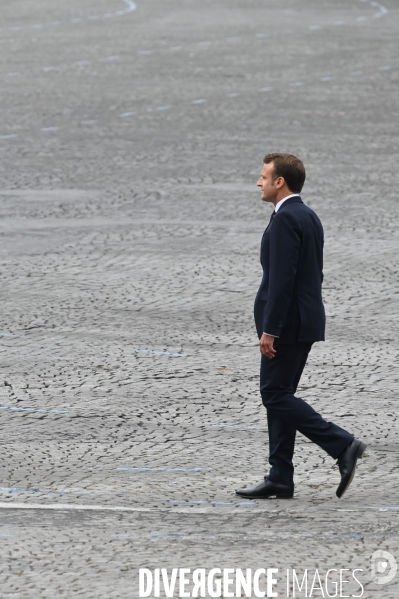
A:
(290, 168)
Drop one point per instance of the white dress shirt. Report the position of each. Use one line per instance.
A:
(277, 206)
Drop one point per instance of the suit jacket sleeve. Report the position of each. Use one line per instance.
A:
(284, 249)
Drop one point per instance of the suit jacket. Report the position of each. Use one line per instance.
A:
(289, 302)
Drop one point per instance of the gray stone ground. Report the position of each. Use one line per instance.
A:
(129, 233)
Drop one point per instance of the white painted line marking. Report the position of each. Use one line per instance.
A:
(386, 67)
(238, 427)
(116, 57)
(159, 353)
(175, 48)
(165, 469)
(9, 136)
(361, 18)
(46, 69)
(314, 26)
(145, 52)
(326, 78)
(262, 35)
(106, 508)
(89, 122)
(235, 95)
(296, 83)
(265, 89)
(356, 73)
(68, 506)
(81, 63)
(49, 128)
(161, 108)
(12, 74)
(233, 39)
(199, 101)
(126, 114)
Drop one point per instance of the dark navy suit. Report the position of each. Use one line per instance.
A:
(289, 306)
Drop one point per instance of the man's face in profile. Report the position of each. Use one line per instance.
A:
(267, 184)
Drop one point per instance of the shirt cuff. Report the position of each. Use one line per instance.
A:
(275, 336)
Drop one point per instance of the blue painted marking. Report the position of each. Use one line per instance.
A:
(159, 353)
(40, 410)
(4, 334)
(49, 128)
(199, 101)
(239, 427)
(166, 535)
(126, 114)
(165, 469)
(25, 490)
(197, 502)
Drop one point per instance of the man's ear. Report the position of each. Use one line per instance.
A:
(280, 182)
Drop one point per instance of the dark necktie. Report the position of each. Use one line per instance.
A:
(271, 218)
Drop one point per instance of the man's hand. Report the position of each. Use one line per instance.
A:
(266, 346)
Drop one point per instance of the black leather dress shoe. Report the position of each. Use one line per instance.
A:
(347, 464)
(267, 488)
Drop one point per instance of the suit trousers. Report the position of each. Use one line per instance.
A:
(286, 413)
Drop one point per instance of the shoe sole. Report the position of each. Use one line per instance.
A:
(359, 454)
(275, 496)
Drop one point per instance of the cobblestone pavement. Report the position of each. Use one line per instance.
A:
(132, 136)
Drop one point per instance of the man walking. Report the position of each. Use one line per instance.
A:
(289, 318)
